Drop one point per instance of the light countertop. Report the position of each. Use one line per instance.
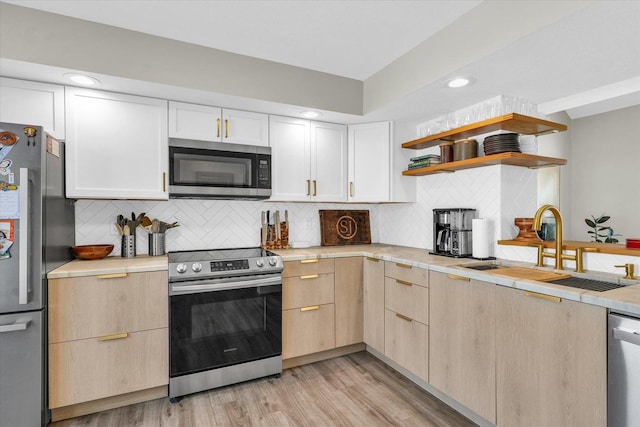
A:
(110, 265)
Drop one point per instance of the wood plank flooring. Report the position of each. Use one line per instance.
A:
(352, 390)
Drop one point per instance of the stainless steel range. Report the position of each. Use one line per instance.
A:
(225, 318)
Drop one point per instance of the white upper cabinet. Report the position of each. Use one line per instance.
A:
(309, 160)
(193, 121)
(244, 127)
(117, 146)
(369, 162)
(205, 123)
(33, 103)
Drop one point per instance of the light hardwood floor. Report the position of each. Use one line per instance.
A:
(352, 390)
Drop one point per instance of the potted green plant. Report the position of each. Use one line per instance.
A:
(601, 233)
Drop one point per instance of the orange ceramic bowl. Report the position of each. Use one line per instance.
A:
(91, 251)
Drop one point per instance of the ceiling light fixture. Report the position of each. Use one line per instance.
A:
(310, 114)
(82, 79)
(458, 82)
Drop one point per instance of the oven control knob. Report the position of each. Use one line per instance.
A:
(260, 263)
(181, 268)
(273, 262)
(196, 267)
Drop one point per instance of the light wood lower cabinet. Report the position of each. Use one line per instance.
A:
(349, 304)
(407, 343)
(462, 352)
(311, 289)
(373, 290)
(551, 361)
(108, 336)
(308, 330)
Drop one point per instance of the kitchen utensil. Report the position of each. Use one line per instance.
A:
(119, 228)
(91, 251)
(126, 231)
(276, 221)
(145, 221)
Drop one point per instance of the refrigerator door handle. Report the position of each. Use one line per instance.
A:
(15, 326)
(23, 267)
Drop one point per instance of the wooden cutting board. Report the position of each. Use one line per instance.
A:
(529, 273)
(344, 227)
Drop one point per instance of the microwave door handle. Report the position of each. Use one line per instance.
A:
(23, 253)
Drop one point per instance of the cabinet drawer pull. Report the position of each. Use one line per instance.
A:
(310, 276)
(402, 282)
(311, 308)
(403, 265)
(372, 259)
(164, 182)
(113, 337)
(350, 188)
(226, 128)
(112, 276)
(218, 128)
(315, 187)
(542, 296)
(309, 261)
(456, 277)
(408, 319)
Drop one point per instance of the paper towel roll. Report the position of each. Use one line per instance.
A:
(481, 240)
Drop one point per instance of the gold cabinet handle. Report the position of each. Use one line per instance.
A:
(112, 276)
(408, 319)
(403, 265)
(311, 308)
(113, 337)
(350, 188)
(542, 296)
(308, 187)
(309, 261)
(226, 128)
(372, 259)
(309, 276)
(456, 277)
(164, 182)
(402, 282)
(218, 128)
(315, 187)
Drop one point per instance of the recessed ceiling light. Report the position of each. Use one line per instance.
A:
(82, 79)
(310, 114)
(458, 82)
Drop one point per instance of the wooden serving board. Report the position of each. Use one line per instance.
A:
(339, 227)
(529, 273)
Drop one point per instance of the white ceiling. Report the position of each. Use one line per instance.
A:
(562, 66)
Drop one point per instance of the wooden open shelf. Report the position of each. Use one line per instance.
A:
(509, 158)
(511, 122)
(603, 248)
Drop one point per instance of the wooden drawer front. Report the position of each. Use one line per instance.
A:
(308, 330)
(312, 289)
(87, 307)
(407, 343)
(308, 266)
(407, 299)
(419, 276)
(85, 370)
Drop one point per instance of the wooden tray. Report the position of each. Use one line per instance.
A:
(529, 273)
(344, 228)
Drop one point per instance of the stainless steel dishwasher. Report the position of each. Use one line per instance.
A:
(624, 370)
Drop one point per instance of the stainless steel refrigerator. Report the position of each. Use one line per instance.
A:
(36, 232)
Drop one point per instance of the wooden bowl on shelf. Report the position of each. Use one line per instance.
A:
(91, 251)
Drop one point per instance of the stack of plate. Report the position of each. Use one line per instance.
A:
(501, 143)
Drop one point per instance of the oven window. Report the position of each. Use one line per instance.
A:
(192, 168)
(215, 329)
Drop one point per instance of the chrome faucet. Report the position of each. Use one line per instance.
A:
(537, 225)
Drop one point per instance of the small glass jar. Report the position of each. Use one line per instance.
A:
(446, 152)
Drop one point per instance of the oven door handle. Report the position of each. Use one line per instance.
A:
(208, 286)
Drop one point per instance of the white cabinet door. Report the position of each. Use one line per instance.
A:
(33, 103)
(328, 162)
(290, 158)
(117, 146)
(192, 121)
(244, 127)
(369, 162)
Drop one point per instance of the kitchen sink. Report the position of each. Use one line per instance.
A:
(588, 284)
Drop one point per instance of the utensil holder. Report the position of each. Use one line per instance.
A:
(156, 244)
(128, 246)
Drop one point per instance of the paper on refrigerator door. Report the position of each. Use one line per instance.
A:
(10, 204)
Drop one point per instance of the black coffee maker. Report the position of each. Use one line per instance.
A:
(452, 231)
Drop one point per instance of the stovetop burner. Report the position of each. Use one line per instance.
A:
(203, 264)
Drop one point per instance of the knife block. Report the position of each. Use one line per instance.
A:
(270, 239)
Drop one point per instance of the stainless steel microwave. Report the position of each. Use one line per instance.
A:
(218, 170)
